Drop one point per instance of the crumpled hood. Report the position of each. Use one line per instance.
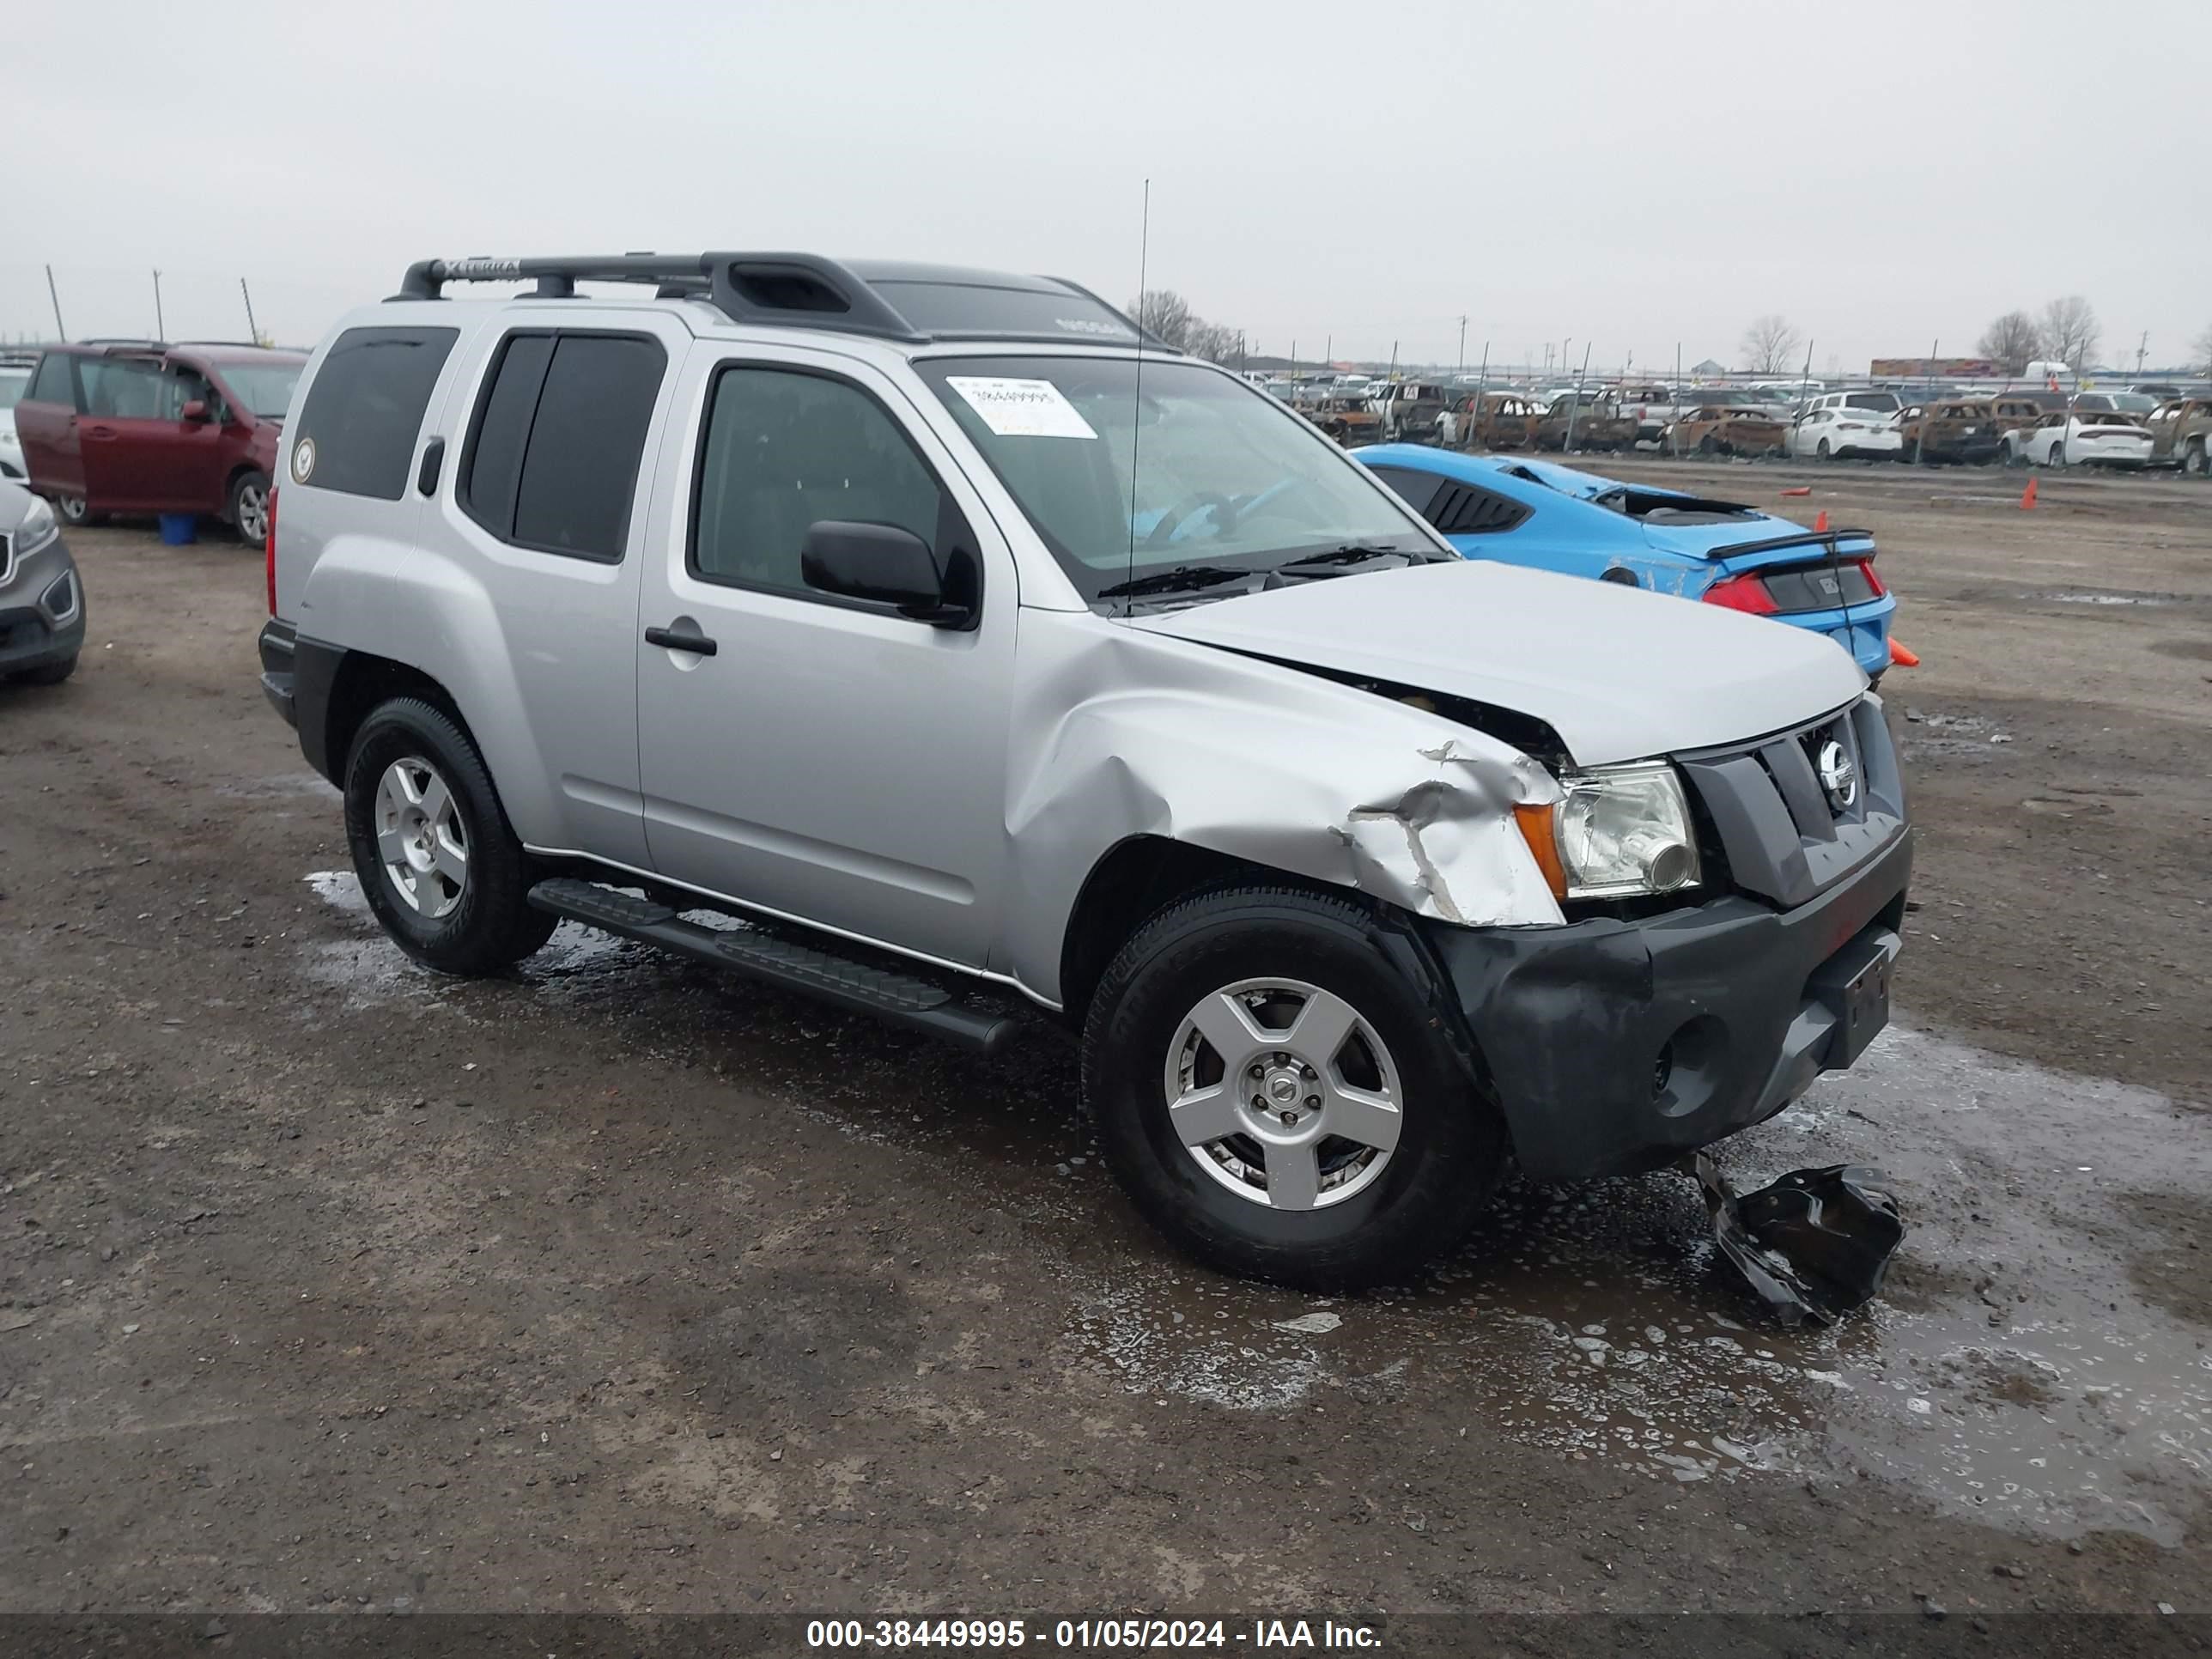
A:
(1620, 673)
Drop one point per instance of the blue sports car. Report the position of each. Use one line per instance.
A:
(1523, 511)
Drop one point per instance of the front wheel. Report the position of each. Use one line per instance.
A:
(1280, 1099)
(2196, 461)
(438, 864)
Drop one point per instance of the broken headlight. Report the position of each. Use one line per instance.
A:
(1622, 832)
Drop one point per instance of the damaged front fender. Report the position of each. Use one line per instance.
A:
(1121, 733)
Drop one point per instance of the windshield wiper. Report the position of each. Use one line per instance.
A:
(1351, 553)
(1181, 576)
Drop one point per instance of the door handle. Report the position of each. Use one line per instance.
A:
(100, 432)
(687, 639)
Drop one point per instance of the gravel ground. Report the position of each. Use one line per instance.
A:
(616, 1285)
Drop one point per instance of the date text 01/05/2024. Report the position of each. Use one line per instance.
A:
(1085, 1635)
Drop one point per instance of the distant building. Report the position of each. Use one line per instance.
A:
(1707, 369)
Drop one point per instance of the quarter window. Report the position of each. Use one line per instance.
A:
(786, 451)
(366, 406)
(559, 433)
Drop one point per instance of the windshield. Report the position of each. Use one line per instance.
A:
(265, 388)
(2129, 402)
(1202, 468)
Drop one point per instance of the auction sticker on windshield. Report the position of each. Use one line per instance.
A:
(1022, 409)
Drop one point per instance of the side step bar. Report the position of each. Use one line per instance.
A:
(895, 998)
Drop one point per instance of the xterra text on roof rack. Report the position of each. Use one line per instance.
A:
(947, 631)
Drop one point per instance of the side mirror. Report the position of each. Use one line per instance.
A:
(195, 409)
(878, 561)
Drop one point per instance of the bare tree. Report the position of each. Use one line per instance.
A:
(1215, 341)
(1771, 345)
(2013, 340)
(1165, 314)
(1168, 316)
(2070, 331)
(2205, 349)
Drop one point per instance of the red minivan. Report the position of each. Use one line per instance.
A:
(140, 426)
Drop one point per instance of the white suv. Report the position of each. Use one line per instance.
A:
(952, 634)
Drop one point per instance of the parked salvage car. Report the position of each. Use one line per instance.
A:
(916, 620)
(1497, 420)
(14, 376)
(1411, 410)
(1556, 517)
(1830, 432)
(1713, 429)
(41, 595)
(142, 427)
(2181, 435)
(1592, 421)
(2085, 440)
(1955, 429)
(1347, 416)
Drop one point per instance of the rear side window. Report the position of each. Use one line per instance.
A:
(53, 383)
(366, 406)
(558, 437)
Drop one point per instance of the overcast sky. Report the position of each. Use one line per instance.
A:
(1631, 176)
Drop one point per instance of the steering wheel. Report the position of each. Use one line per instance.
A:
(1224, 512)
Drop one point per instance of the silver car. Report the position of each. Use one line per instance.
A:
(41, 595)
(890, 632)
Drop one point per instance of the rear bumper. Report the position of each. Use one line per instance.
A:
(1615, 1045)
(279, 683)
(1863, 630)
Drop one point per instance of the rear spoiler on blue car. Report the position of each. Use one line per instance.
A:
(1827, 539)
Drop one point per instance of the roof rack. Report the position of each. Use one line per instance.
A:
(779, 289)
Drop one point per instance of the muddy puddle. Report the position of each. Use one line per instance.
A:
(2037, 1361)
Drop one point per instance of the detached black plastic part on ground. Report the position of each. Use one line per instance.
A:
(1814, 1244)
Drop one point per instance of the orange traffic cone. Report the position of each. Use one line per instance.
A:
(1802, 489)
(2027, 496)
(1820, 523)
(1901, 657)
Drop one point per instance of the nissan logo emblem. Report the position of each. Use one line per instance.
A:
(1839, 776)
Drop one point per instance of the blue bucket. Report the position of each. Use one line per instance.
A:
(179, 528)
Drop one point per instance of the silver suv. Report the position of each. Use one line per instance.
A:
(887, 632)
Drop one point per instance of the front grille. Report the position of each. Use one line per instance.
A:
(1798, 812)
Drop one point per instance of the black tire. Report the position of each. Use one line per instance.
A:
(1709, 445)
(76, 513)
(1451, 1150)
(249, 507)
(2196, 460)
(492, 926)
(1822, 452)
(48, 673)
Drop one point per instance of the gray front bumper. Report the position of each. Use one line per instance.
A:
(1616, 1046)
(41, 622)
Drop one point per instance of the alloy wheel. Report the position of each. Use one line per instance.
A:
(420, 838)
(1283, 1093)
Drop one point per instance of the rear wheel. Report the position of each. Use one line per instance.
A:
(1277, 1098)
(440, 866)
(249, 507)
(2196, 461)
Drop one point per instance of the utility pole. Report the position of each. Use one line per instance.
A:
(252, 330)
(2142, 349)
(161, 327)
(1463, 346)
(1574, 405)
(61, 329)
